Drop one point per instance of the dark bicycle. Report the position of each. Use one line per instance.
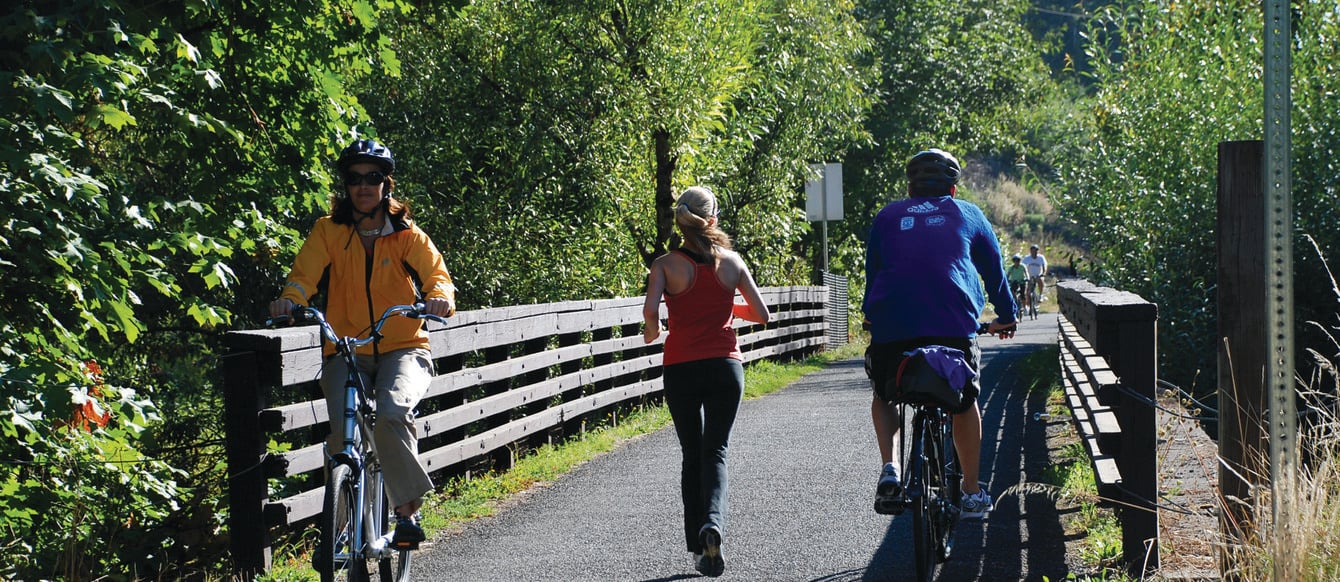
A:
(931, 476)
(356, 517)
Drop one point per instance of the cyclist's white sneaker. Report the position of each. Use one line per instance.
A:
(976, 505)
(889, 492)
(888, 482)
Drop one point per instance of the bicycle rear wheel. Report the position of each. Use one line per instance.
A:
(336, 559)
(924, 539)
(948, 498)
(396, 567)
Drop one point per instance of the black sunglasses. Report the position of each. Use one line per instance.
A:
(370, 178)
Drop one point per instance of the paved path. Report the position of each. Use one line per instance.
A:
(803, 465)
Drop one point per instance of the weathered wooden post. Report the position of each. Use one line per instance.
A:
(1241, 289)
(1127, 339)
(1122, 329)
(249, 538)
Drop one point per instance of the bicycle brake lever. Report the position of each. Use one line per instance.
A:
(301, 314)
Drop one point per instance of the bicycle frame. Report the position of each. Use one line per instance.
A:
(360, 455)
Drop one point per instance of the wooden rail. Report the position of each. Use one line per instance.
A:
(1108, 366)
(508, 379)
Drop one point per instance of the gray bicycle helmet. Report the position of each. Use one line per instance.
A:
(366, 150)
(933, 172)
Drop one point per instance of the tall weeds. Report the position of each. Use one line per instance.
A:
(1295, 534)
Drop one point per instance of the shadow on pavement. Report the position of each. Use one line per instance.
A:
(1022, 539)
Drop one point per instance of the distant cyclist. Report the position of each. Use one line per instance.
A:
(1037, 272)
(926, 259)
(370, 256)
(1017, 275)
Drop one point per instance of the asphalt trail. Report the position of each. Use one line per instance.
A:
(803, 466)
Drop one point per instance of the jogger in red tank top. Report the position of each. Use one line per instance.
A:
(704, 374)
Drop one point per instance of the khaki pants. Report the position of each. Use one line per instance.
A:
(401, 378)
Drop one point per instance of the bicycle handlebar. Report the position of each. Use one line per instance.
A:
(303, 313)
(983, 329)
(1004, 333)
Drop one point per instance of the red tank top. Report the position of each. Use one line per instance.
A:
(700, 319)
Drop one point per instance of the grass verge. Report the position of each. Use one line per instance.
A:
(1072, 475)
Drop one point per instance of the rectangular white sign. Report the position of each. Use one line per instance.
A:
(829, 187)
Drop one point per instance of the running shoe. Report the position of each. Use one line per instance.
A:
(976, 505)
(711, 562)
(889, 492)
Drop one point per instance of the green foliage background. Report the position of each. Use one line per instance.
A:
(160, 164)
(1168, 84)
(157, 163)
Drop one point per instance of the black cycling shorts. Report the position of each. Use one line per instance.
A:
(882, 360)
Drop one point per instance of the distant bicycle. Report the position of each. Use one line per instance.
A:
(931, 475)
(1020, 299)
(1033, 284)
(356, 519)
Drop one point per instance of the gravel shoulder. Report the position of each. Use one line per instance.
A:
(1188, 498)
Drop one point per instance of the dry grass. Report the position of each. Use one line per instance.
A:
(1293, 529)
(1292, 526)
(1009, 203)
(1300, 538)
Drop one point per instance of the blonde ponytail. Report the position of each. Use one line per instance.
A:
(693, 213)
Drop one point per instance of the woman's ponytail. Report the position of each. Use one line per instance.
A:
(694, 211)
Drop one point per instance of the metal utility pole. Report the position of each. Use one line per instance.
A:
(1283, 430)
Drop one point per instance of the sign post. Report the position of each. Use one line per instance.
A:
(823, 199)
(1279, 265)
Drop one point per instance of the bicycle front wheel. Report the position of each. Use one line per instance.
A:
(949, 487)
(336, 558)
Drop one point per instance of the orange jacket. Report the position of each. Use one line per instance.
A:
(405, 264)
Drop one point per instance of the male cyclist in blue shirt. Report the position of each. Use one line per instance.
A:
(926, 259)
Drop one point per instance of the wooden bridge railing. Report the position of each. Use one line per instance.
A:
(508, 378)
(1108, 366)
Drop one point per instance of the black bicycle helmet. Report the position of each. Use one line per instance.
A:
(933, 171)
(366, 150)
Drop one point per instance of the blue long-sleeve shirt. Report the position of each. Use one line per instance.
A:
(925, 264)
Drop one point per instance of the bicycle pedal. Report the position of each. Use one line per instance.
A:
(890, 506)
(405, 545)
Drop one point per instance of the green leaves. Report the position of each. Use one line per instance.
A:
(157, 164)
(50, 101)
(1169, 83)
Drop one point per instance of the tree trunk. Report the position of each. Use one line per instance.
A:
(666, 160)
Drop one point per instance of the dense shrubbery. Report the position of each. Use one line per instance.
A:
(157, 163)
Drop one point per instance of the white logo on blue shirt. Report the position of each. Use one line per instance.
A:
(907, 223)
(923, 208)
(936, 220)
